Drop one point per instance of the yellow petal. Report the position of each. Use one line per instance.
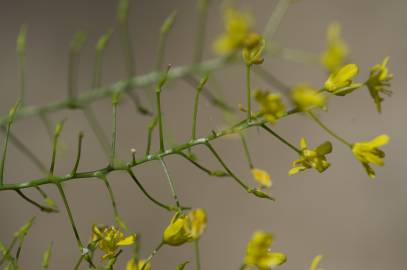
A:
(380, 140)
(275, 259)
(296, 170)
(341, 78)
(262, 177)
(303, 143)
(347, 72)
(129, 240)
(315, 262)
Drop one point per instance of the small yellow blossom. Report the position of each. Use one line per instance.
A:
(307, 98)
(336, 50)
(271, 105)
(133, 265)
(199, 222)
(379, 82)
(185, 228)
(368, 152)
(109, 239)
(237, 27)
(311, 158)
(262, 177)
(252, 52)
(315, 263)
(258, 254)
(340, 82)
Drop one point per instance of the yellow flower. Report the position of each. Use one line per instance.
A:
(198, 222)
(252, 52)
(336, 51)
(178, 231)
(340, 82)
(262, 177)
(311, 158)
(237, 27)
(271, 105)
(368, 152)
(379, 82)
(258, 254)
(315, 263)
(185, 228)
(307, 98)
(133, 265)
(109, 239)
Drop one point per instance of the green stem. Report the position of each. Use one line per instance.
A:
(54, 147)
(199, 166)
(202, 16)
(97, 130)
(195, 113)
(246, 150)
(215, 101)
(97, 71)
(332, 133)
(152, 255)
(4, 155)
(78, 263)
(78, 154)
(269, 78)
(276, 18)
(26, 151)
(173, 192)
(156, 156)
(127, 48)
(151, 127)
(272, 132)
(10, 247)
(39, 206)
(71, 220)
(160, 121)
(90, 96)
(197, 254)
(248, 93)
(21, 58)
(162, 205)
(113, 200)
(115, 101)
(240, 182)
(21, 50)
(47, 124)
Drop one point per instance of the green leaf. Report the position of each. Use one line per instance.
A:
(103, 40)
(46, 257)
(168, 23)
(25, 228)
(182, 265)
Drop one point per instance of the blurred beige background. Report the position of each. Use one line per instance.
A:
(355, 222)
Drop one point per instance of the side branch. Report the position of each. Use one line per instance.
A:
(157, 156)
(122, 86)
